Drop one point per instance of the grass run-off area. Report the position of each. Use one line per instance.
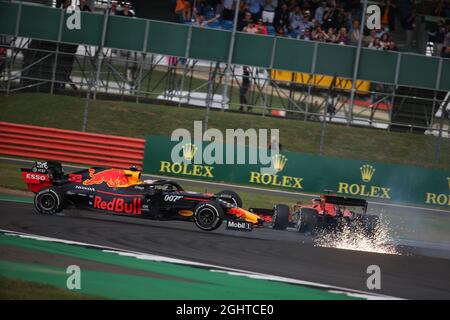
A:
(139, 120)
(12, 289)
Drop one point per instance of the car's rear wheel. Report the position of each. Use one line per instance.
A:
(231, 197)
(280, 218)
(307, 220)
(49, 201)
(208, 215)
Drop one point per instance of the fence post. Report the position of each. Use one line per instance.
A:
(230, 56)
(356, 65)
(55, 63)
(441, 124)
(16, 34)
(86, 110)
(311, 78)
(88, 93)
(397, 68)
(444, 108)
(210, 93)
(186, 64)
(272, 61)
(100, 48)
(144, 57)
(436, 87)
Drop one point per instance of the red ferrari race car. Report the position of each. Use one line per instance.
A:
(329, 212)
(120, 191)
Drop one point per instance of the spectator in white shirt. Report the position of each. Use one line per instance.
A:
(268, 13)
(355, 33)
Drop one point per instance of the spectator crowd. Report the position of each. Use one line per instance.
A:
(335, 21)
(118, 8)
(440, 37)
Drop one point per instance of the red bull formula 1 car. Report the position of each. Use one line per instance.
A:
(329, 212)
(121, 191)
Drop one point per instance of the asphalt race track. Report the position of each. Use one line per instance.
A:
(281, 253)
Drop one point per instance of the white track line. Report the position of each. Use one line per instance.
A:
(291, 193)
(213, 268)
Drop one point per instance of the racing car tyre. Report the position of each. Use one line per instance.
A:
(280, 217)
(307, 220)
(49, 201)
(208, 216)
(231, 197)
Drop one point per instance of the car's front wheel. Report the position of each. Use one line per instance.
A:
(49, 201)
(280, 217)
(208, 216)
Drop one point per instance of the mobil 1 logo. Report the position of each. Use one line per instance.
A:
(239, 225)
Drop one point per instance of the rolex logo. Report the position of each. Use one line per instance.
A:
(189, 151)
(448, 179)
(367, 172)
(279, 161)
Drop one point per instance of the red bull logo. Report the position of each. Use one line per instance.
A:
(118, 205)
(114, 178)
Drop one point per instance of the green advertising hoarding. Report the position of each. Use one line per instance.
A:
(306, 173)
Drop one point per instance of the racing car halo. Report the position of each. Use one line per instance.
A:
(122, 192)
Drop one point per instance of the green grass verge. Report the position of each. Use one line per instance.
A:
(13, 289)
(10, 176)
(140, 120)
(162, 281)
(157, 84)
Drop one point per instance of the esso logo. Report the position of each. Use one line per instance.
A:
(172, 198)
(36, 177)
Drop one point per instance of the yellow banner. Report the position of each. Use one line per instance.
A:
(319, 80)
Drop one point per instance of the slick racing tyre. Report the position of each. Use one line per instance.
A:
(307, 220)
(280, 217)
(231, 197)
(208, 216)
(49, 201)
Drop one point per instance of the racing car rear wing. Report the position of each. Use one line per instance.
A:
(345, 201)
(43, 174)
(331, 199)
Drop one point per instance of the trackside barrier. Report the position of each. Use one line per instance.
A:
(70, 146)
